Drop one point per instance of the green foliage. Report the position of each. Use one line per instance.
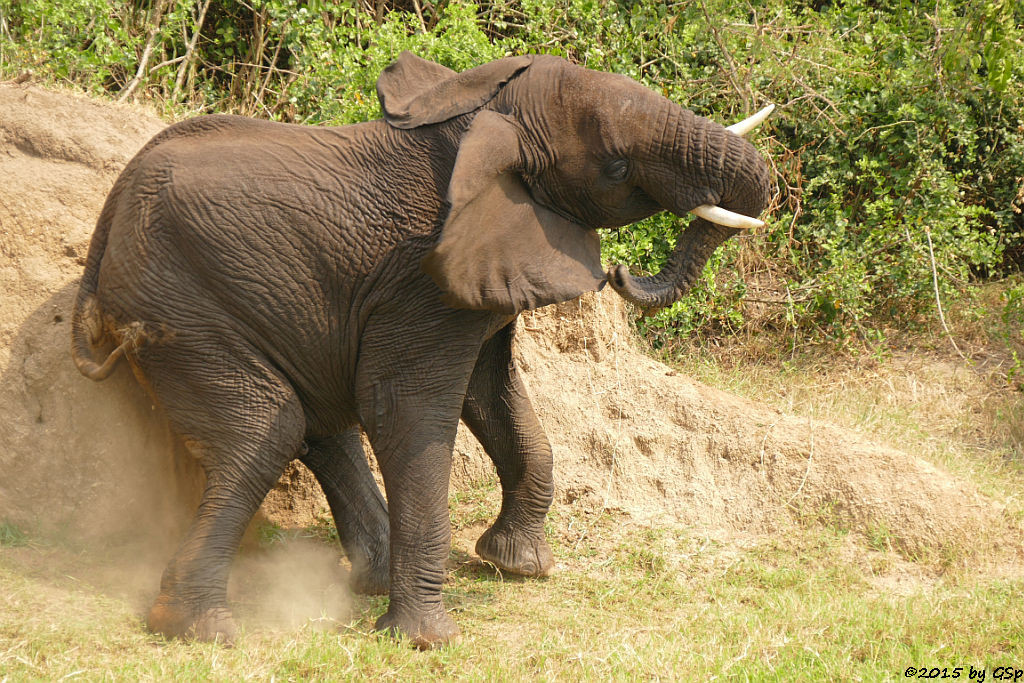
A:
(1013, 309)
(88, 42)
(898, 148)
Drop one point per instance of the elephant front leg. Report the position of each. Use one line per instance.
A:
(413, 442)
(498, 412)
(359, 511)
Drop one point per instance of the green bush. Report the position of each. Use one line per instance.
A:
(898, 147)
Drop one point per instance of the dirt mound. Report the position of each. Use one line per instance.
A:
(61, 437)
(636, 435)
(80, 457)
(627, 431)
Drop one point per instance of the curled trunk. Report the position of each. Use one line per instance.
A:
(693, 248)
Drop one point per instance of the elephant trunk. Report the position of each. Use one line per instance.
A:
(726, 186)
(693, 248)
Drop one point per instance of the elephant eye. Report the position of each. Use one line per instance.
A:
(617, 169)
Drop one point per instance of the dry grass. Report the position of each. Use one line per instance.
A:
(916, 393)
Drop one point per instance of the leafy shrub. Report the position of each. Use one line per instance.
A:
(898, 148)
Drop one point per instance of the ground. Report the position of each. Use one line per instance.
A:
(693, 527)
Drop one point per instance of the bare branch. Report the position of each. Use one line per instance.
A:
(159, 8)
(731, 71)
(179, 80)
(938, 300)
(419, 14)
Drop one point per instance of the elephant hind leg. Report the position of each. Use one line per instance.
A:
(244, 423)
(498, 412)
(359, 511)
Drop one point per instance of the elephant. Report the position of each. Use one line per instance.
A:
(277, 287)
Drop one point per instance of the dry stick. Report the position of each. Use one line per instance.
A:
(179, 79)
(938, 301)
(419, 13)
(764, 441)
(158, 15)
(931, 257)
(878, 128)
(260, 25)
(730, 70)
(272, 68)
(810, 459)
(168, 62)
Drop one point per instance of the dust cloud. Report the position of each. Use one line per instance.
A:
(292, 583)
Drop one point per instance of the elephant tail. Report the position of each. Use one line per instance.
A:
(87, 329)
(87, 321)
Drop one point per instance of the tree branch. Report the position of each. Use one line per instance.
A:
(159, 8)
(179, 80)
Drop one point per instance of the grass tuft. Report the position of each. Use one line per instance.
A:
(12, 536)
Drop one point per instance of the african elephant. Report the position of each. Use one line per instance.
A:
(275, 286)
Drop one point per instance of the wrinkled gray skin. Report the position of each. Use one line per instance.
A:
(276, 286)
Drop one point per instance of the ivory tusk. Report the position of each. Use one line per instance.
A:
(730, 219)
(752, 122)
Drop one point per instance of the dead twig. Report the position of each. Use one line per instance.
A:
(810, 459)
(159, 8)
(419, 15)
(273, 64)
(866, 131)
(166, 62)
(179, 79)
(938, 299)
(731, 72)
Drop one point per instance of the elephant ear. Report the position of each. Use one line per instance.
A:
(416, 92)
(499, 250)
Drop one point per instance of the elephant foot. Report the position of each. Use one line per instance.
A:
(516, 552)
(176, 620)
(425, 630)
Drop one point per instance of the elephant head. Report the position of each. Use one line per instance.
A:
(553, 151)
